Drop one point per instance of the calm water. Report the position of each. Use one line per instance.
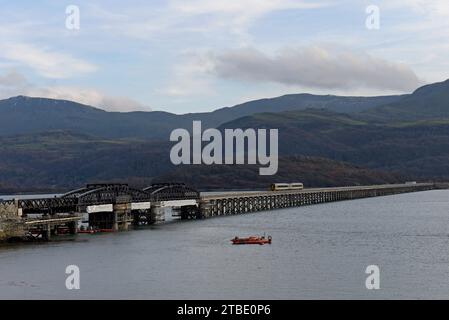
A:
(319, 251)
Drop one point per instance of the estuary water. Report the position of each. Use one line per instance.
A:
(318, 252)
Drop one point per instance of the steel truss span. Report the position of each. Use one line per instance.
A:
(98, 194)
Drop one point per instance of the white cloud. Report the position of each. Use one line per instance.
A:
(191, 76)
(47, 63)
(196, 16)
(240, 14)
(90, 97)
(241, 7)
(144, 39)
(423, 7)
(13, 79)
(428, 17)
(316, 67)
(13, 84)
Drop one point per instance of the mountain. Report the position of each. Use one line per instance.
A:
(430, 102)
(55, 145)
(57, 161)
(419, 149)
(293, 102)
(25, 115)
(60, 161)
(318, 147)
(410, 135)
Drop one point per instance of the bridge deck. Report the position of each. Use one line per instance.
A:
(239, 194)
(51, 221)
(230, 203)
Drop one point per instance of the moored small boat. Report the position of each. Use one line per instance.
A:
(89, 231)
(252, 240)
(92, 230)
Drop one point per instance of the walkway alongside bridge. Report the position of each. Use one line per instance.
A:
(115, 207)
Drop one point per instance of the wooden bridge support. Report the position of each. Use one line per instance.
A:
(221, 205)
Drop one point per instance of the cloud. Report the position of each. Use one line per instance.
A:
(191, 76)
(242, 7)
(316, 67)
(13, 84)
(90, 97)
(121, 104)
(194, 16)
(424, 7)
(426, 18)
(239, 15)
(47, 63)
(12, 79)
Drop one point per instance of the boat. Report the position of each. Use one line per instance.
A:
(89, 231)
(62, 230)
(92, 231)
(252, 240)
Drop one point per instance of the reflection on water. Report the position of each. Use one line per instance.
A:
(318, 251)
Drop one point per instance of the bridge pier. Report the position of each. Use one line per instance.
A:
(46, 232)
(73, 227)
(11, 225)
(206, 207)
(157, 214)
(122, 215)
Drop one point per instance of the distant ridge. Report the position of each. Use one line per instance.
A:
(50, 145)
(31, 102)
(23, 115)
(430, 102)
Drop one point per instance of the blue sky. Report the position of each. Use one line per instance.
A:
(199, 55)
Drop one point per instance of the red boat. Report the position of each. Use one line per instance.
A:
(252, 240)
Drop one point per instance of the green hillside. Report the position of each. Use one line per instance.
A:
(54, 145)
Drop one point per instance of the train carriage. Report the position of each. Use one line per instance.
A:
(286, 186)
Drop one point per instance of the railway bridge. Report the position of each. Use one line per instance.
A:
(110, 207)
(229, 203)
(115, 207)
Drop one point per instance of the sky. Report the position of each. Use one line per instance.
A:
(184, 56)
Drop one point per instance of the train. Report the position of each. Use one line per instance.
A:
(286, 186)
